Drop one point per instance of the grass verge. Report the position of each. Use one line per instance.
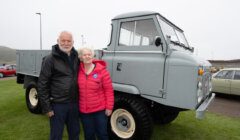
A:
(16, 122)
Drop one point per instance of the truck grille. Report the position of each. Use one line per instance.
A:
(206, 83)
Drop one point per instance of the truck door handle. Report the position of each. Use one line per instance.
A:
(119, 66)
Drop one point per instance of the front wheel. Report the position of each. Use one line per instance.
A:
(1, 75)
(32, 101)
(130, 119)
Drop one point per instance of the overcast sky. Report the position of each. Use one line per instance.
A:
(212, 27)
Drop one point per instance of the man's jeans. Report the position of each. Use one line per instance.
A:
(68, 114)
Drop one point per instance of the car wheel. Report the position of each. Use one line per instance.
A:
(1, 75)
(130, 119)
(32, 101)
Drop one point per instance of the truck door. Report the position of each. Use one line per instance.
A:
(137, 61)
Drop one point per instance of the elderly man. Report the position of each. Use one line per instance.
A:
(58, 89)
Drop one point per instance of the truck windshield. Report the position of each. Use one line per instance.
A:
(176, 35)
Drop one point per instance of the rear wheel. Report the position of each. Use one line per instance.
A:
(32, 101)
(130, 119)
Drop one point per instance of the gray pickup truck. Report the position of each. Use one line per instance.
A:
(154, 72)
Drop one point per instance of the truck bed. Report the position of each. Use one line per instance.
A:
(29, 61)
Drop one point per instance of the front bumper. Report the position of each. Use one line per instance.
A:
(202, 108)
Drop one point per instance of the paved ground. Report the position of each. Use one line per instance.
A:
(227, 105)
(8, 77)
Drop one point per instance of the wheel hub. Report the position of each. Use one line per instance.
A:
(123, 124)
(33, 96)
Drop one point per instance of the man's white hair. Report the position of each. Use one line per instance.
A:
(65, 32)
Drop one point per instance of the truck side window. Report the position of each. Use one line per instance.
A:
(137, 33)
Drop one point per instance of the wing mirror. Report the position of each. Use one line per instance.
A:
(158, 41)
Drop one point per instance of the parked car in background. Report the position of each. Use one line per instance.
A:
(227, 81)
(7, 70)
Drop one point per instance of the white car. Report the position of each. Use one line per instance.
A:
(227, 81)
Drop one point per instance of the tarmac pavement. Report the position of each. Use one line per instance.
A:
(227, 105)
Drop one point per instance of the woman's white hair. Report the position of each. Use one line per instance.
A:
(88, 48)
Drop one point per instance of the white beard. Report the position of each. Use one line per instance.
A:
(65, 50)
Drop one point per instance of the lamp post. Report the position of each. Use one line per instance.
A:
(40, 30)
(82, 40)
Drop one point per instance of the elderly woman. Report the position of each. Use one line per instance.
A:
(96, 97)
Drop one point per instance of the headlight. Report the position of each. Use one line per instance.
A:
(199, 96)
(199, 85)
(210, 84)
(199, 92)
(210, 87)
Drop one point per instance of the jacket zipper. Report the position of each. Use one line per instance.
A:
(86, 83)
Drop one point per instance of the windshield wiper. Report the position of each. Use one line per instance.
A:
(180, 44)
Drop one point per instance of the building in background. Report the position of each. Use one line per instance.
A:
(220, 64)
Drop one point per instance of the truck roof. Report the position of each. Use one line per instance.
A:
(142, 13)
(134, 14)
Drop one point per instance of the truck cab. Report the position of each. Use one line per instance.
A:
(150, 56)
(150, 59)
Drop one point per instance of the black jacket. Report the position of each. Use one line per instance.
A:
(57, 82)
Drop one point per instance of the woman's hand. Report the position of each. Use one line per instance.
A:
(108, 112)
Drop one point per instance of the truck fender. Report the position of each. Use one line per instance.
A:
(126, 88)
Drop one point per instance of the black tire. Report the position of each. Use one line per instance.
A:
(32, 101)
(20, 78)
(130, 119)
(164, 114)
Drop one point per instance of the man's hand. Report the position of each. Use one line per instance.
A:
(108, 112)
(50, 114)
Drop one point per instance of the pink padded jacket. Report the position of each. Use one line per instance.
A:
(95, 89)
